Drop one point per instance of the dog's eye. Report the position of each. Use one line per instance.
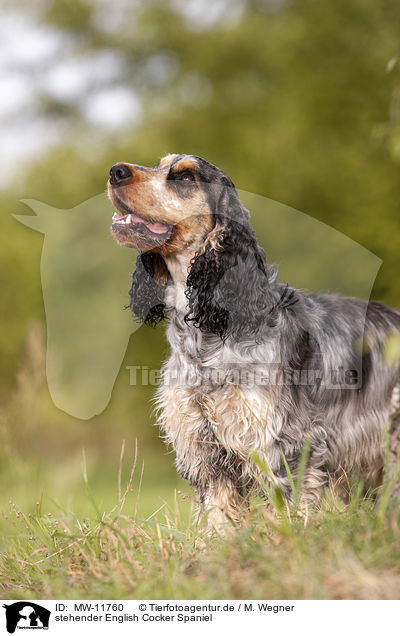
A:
(187, 177)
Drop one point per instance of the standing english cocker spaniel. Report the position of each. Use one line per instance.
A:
(257, 369)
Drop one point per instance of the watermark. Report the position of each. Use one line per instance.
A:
(86, 278)
(268, 375)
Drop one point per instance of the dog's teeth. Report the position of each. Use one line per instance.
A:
(128, 218)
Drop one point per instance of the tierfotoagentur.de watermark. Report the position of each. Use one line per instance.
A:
(257, 376)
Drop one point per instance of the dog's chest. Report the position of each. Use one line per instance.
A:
(241, 418)
(212, 379)
(189, 345)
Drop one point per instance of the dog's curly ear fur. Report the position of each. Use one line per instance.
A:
(148, 288)
(227, 286)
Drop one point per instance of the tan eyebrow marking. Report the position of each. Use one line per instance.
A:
(185, 164)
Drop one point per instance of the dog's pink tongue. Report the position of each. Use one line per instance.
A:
(157, 228)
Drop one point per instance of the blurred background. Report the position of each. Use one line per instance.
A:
(296, 100)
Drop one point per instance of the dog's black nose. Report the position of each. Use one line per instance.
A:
(120, 173)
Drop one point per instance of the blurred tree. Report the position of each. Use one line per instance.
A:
(291, 98)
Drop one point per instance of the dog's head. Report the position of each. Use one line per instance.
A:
(167, 208)
(187, 204)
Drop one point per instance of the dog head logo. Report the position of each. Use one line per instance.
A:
(26, 615)
(86, 277)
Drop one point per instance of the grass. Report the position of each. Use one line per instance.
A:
(336, 552)
(115, 531)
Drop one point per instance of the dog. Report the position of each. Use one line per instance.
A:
(259, 373)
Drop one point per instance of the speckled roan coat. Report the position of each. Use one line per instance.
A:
(257, 367)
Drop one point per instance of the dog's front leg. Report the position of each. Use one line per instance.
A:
(219, 482)
(222, 504)
(214, 472)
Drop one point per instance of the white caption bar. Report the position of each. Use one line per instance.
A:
(172, 617)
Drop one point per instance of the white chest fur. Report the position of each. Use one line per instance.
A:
(241, 418)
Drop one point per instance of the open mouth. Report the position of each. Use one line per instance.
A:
(131, 222)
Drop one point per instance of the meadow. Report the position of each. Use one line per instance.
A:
(339, 551)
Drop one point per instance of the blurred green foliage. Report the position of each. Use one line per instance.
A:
(296, 100)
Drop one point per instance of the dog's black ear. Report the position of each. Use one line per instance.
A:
(228, 282)
(148, 288)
